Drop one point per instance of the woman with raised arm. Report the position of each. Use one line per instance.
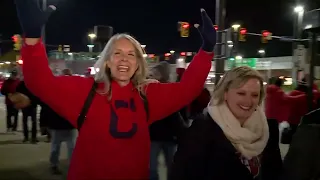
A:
(114, 140)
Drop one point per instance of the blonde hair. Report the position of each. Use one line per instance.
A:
(104, 74)
(235, 78)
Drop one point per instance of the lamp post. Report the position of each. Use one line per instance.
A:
(297, 29)
(235, 43)
(91, 36)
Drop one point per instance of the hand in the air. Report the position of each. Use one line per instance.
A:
(31, 17)
(207, 32)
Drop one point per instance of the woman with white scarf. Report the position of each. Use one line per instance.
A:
(228, 141)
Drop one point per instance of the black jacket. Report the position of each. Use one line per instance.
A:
(21, 88)
(167, 129)
(302, 161)
(206, 154)
(48, 117)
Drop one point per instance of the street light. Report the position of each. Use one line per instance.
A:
(235, 36)
(297, 31)
(238, 57)
(261, 51)
(172, 52)
(92, 36)
(236, 27)
(298, 9)
(143, 46)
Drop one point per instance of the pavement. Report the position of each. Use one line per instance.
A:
(26, 161)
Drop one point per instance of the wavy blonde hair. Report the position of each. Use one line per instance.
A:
(139, 79)
(235, 78)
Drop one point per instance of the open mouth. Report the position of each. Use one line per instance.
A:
(245, 108)
(123, 68)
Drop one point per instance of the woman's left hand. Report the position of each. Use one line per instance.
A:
(207, 32)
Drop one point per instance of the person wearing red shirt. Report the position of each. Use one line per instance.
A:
(114, 141)
(8, 88)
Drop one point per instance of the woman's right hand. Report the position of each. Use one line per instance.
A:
(32, 18)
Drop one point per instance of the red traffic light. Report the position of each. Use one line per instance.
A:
(265, 33)
(243, 31)
(182, 53)
(15, 38)
(186, 25)
(216, 27)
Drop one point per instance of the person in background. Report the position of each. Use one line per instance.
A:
(277, 108)
(8, 88)
(302, 160)
(184, 112)
(28, 111)
(60, 129)
(298, 110)
(198, 105)
(164, 134)
(228, 142)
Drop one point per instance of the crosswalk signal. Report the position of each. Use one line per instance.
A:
(242, 34)
(184, 29)
(265, 36)
(17, 42)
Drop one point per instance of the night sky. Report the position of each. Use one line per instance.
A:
(154, 23)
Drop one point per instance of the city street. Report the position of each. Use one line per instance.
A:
(25, 161)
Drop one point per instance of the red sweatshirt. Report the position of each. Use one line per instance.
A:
(114, 140)
(278, 104)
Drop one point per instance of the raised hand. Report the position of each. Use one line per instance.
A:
(31, 17)
(207, 32)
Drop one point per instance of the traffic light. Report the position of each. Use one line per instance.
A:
(266, 36)
(184, 29)
(167, 56)
(17, 42)
(216, 27)
(60, 48)
(242, 34)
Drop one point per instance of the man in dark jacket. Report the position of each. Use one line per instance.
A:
(61, 129)
(29, 111)
(9, 87)
(303, 159)
(164, 133)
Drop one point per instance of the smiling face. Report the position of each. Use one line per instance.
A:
(243, 101)
(123, 62)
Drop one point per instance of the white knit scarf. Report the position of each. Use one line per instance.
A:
(249, 139)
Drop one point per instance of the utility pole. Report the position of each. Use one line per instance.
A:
(297, 31)
(219, 52)
(43, 30)
(314, 55)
